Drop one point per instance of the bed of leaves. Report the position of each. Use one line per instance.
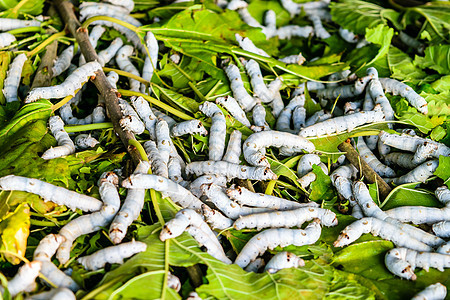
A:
(203, 34)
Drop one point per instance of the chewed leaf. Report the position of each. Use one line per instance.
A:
(407, 194)
(14, 230)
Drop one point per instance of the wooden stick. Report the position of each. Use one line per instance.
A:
(66, 10)
(353, 156)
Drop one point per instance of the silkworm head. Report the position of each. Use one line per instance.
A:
(329, 218)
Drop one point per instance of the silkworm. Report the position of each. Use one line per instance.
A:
(233, 151)
(230, 170)
(261, 140)
(24, 280)
(236, 4)
(306, 162)
(195, 185)
(247, 44)
(419, 214)
(218, 130)
(47, 247)
(131, 208)
(173, 282)
(424, 151)
(379, 228)
(72, 83)
(220, 199)
(398, 88)
(98, 115)
(54, 294)
(174, 172)
(231, 105)
(10, 24)
(130, 120)
(319, 30)
(420, 174)
(146, 115)
(294, 8)
(373, 161)
(442, 229)
(12, 80)
(215, 218)
(257, 81)
(402, 261)
(188, 127)
(436, 291)
(271, 238)
(66, 146)
(284, 118)
(63, 61)
(111, 255)
(164, 142)
(175, 191)
(106, 55)
(102, 9)
(237, 86)
(377, 94)
(351, 107)
(341, 180)
(85, 141)
(127, 4)
(255, 265)
(124, 63)
(296, 59)
(270, 19)
(343, 123)
(348, 36)
(312, 86)
(277, 104)
(259, 118)
(283, 260)
(404, 160)
(95, 34)
(298, 118)
(444, 249)
(204, 240)
(151, 61)
(6, 39)
(347, 91)
(317, 117)
(411, 42)
(287, 219)
(443, 194)
(246, 197)
(308, 178)
(175, 58)
(289, 31)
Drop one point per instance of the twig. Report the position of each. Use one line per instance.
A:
(66, 11)
(353, 156)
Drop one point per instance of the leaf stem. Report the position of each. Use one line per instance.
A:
(62, 102)
(44, 44)
(139, 148)
(87, 127)
(26, 30)
(126, 74)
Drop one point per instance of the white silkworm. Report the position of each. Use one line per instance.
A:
(66, 146)
(289, 31)
(236, 4)
(419, 174)
(215, 218)
(318, 117)
(255, 265)
(231, 209)
(444, 248)
(175, 58)
(173, 282)
(256, 142)
(296, 59)
(282, 237)
(91, 222)
(246, 197)
(373, 161)
(174, 171)
(398, 88)
(85, 141)
(54, 294)
(347, 91)
(130, 120)
(98, 115)
(259, 118)
(379, 228)
(312, 86)
(102, 9)
(128, 33)
(419, 214)
(63, 61)
(442, 229)
(12, 80)
(146, 114)
(72, 83)
(47, 247)
(57, 277)
(237, 86)
(193, 296)
(284, 118)
(195, 186)
(203, 239)
(50, 192)
(127, 4)
(298, 118)
(188, 127)
(257, 81)
(294, 8)
(319, 30)
(277, 104)
(436, 291)
(94, 36)
(376, 92)
(306, 162)
(343, 123)
(341, 180)
(443, 194)
(124, 63)
(286, 219)
(218, 130)
(247, 44)
(283, 260)
(113, 78)
(270, 19)
(164, 142)
(230, 170)
(24, 280)
(404, 160)
(130, 209)
(175, 191)
(111, 255)
(231, 105)
(351, 107)
(424, 151)
(151, 61)
(308, 178)
(233, 151)
(411, 42)
(10, 24)
(402, 261)
(348, 36)
(106, 55)
(6, 39)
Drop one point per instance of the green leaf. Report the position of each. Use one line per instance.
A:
(438, 133)
(442, 84)
(180, 100)
(436, 58)
(422, 122)
(380, 35)
(285, 169)
(436, 15)
(14, 231)
(258, 9)
(402, 67)
(32, 7)
(438, 104)
(321, 188)
(443, 170)
(407, 194)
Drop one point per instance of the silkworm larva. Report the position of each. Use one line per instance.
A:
(347, 91)
(286, 219)
(444, 248)
(203, 239)
(188, 127)
(351, 107)
(419, 214)
(400, 159)
(298, 118)
(130, 209)
(257, 81)
(106, 55)
(233, 151)
(348, 36)
(95, 34)
(317, 117)
(236, 4)
(306, 162)
(231, 209)
(24, 280)
(127, 4)
(111, 255)
(402, 261)
(102, 9)
(420, 174)
(174, 171)
(296, 59)
(309, 177)
(175, 191)
(319, 30)
(57, 277)
(215, 218)
(259, 118)
(277, 104)
(173, 282)
(98, 115)
(6, 39)
(47, 247)
(411, 42)
(72, 83)
(436, 291)
(146, 114)
(65, 144)
(373, 161)
(246, 197)
(54, 294)
(398, 88)
(379, 228)
(271, 238)
(284, 118)
(424, 151)
(442, 229)
(195, 186)
(63, 61)
(12, 80)
(218, 130)
(130, 120)
(261, 140)
(376, 92)
(443, 194)
(230, 170)
(283, 260)
(312, 86)
(289, 31)
(247, 44)
(294, 8)
(10, 24)
(231, 105)
(343, 123)
(270, 19)
(255, 265)
(164, 141)
(237, 86)
(85, 141)
(124, 63)
(151, 61)
(341, 180)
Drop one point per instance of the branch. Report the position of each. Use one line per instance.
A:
(353, 156)
(66, 11)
